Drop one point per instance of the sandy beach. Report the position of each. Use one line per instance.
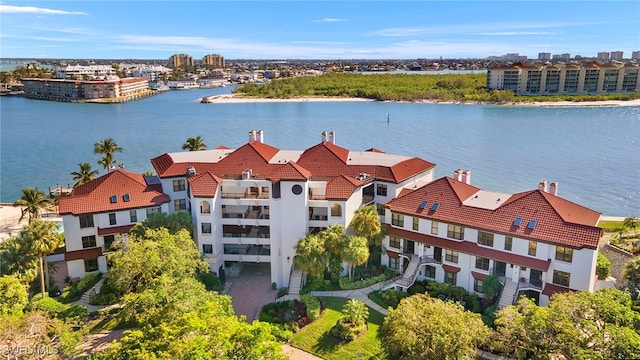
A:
(235, 99)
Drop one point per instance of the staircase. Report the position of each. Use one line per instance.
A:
(508, 294)
(410, 273)
(295, 281)
(86, 297)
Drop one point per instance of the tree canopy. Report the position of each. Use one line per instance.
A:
(107, 147)
(84, 174)
(174, 222)
(194, 143)
(33, 201)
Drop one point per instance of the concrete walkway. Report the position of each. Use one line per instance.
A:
(358, 294)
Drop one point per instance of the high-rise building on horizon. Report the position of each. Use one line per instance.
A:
(544, 56)
(213, 60)
(603, 55)
(635, 55)
(180, 60)
(617, 55)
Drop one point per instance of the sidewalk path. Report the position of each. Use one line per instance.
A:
(358, 294)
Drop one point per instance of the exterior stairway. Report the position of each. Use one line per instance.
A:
(410, 273)
(84, 299)
(295, 281)
(508, 294)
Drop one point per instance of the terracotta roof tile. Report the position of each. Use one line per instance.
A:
(290, 171)
(96, 196)
(550, 289)
(478, 276)
(409, 168)
(450, 268)
(341, 187)
(204, 185)
(115, 230)
(558, 221)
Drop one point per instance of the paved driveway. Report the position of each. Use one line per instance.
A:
(251, 289)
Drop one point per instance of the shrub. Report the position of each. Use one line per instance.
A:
(346, 331)
(349, 284)
(282, 292)
(313, 306)
(491, 286)
(603, 267)
(210, 281)
(387, 298)
(108, 294)
(55, 308)
(74, 292)
(416, 288)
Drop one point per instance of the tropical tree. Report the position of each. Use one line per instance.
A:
(194, 143)
(13, 295)
(366, 223)
(334, 239)
(355, 312)
(422, 327)
(84, 175)
(173, 222)
(106, 147)
(356, 252)
(33, 201)
(42, 239)
(17, 260)
(631, 222)
(631, 275)
(311, 256)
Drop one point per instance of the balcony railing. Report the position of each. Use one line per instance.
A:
(249, 214)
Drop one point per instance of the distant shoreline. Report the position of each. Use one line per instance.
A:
(239, 99)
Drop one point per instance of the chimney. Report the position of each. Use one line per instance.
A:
(466, 177)
(457, 175)
(332, 137)
(261, 136)
(324, 136)
(252, 135)
(543, 185)
(553, 188)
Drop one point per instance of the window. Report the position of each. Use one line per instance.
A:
(397, 219)
(561, 278)
(112, 218)
(564, 253)
(394, 242)
(207, 248)
(380, 208)
(434, 227)
(88, 241)
(482, 263)
(108, 242)
(508, 242)
(151, 211)
(205, 207)
(133, 216)
(477, 286)
(455, 231)
(451, 256)
(206, 228)
(336, 210)
(179, 204)
(394, 263)
(450, 278)
(430, 271)
(178, 185)
(485, 238)
(86, 221)
(533, 247)
(91, 265)
(416, 223)
(381, 190)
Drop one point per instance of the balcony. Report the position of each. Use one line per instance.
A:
(318, 213)
(235, 231)
(254, 192)
(245, 212)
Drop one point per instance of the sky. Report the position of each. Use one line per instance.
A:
(137, 29)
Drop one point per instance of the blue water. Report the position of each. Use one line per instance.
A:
(594, 153)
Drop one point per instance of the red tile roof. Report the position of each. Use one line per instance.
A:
(450, 268)
(204, 185)
(341, 187)
(290, 171)
(478, 276)
(95, 196)
(550, 289)
(471, 248)
(558, 221)
(393, 254)
(115, 230)
(84, 254)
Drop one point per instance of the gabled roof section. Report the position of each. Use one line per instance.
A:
(323, 152)
(290, 171)
(107, 193)
(341, 187)
(204, 185)
(557, 221)
(410, 167)
(266, 151)
(222, 147)
(375, 150)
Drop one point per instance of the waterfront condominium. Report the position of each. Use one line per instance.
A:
(253, 204)
(590, 78)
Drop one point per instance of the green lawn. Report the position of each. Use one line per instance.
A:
(609, 226)
(315, 337)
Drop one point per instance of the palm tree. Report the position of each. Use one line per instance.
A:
(631, 222)
(631, 275)
(194, 143)
(311, 256)
(334, 240)
(17, 260)
(355, 312)
(356, 252)
(106, 147)
(33, 202)
(84, 175)
(42, 241)
(366, 222)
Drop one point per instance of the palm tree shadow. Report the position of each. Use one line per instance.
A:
(326, 343)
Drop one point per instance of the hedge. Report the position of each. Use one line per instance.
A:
(313, 306)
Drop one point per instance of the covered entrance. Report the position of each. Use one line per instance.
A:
(249, 285)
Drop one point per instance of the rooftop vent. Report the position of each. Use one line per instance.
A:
(435, 206)
(362, 176)
(532, 224)
(517, 221)
(114, 199)
(126, 198)
(246, 174)
(423, 205)
(191, 171)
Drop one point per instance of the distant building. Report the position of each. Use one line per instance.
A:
(180, 61)
(544, 56)
(566, 56)
(590, 78)
(509, 57)
(604, 55)
(151, 72)
(635, 55)
(213, 61)
(617, 55)
(89, 72)
(84, 90)
(557, 57)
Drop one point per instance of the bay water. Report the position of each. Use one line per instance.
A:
(593, 152)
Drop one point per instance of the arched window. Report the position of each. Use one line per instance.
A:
(336, 210)
(205, 207)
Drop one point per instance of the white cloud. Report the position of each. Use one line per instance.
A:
(39, 38)
(516, 33)
(9, 9)
(329, 20)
